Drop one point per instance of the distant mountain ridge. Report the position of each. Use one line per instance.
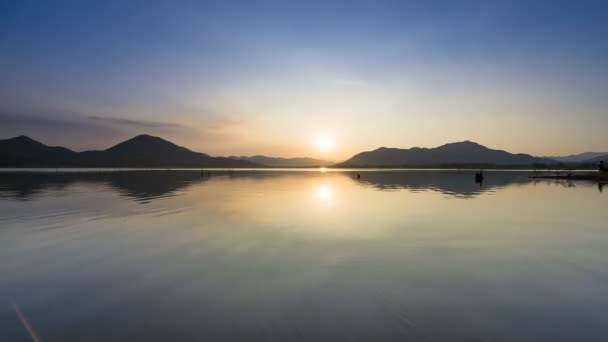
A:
(581, 157)
(285, 162)
(453, 154)
(140, 151)
(597, 159)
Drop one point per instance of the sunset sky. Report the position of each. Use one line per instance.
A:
(306, 78)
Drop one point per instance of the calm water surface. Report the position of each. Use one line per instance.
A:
(284, 256)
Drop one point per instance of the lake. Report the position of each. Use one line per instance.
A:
(301, 255)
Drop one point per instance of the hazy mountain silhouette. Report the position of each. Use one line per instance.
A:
(285, 162)
(140, 151)
(597, 159)
(580, 158)
(454, 154)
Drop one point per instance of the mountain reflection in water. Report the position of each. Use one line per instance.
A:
(153, 184)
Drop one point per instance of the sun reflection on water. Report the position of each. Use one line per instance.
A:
(324, 193)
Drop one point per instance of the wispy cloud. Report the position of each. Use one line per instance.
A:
(83, 132)
(213, 135)
(137, 123)
(16, 121)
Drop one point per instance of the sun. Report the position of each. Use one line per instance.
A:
(325, 144)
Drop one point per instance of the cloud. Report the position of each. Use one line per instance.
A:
(82, 132)
(215, 135)
(136, 123)
(13, 119)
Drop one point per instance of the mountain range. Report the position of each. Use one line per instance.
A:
(597, 159)
(140, 151)
(149, 151)
(453, 154)
(582, 157)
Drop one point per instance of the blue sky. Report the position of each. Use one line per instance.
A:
(274, 77)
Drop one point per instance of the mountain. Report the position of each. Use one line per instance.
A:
(578, 158)
(285, 162)
(140, 151)
(454, 154)
(24, 151)
(597, 159)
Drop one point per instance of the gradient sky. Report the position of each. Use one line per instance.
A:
(272, 77)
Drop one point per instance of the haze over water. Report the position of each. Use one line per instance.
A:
(291, 255)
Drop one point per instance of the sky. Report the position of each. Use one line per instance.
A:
(324, 79)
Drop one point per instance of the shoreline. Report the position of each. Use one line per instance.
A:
(589, 176)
